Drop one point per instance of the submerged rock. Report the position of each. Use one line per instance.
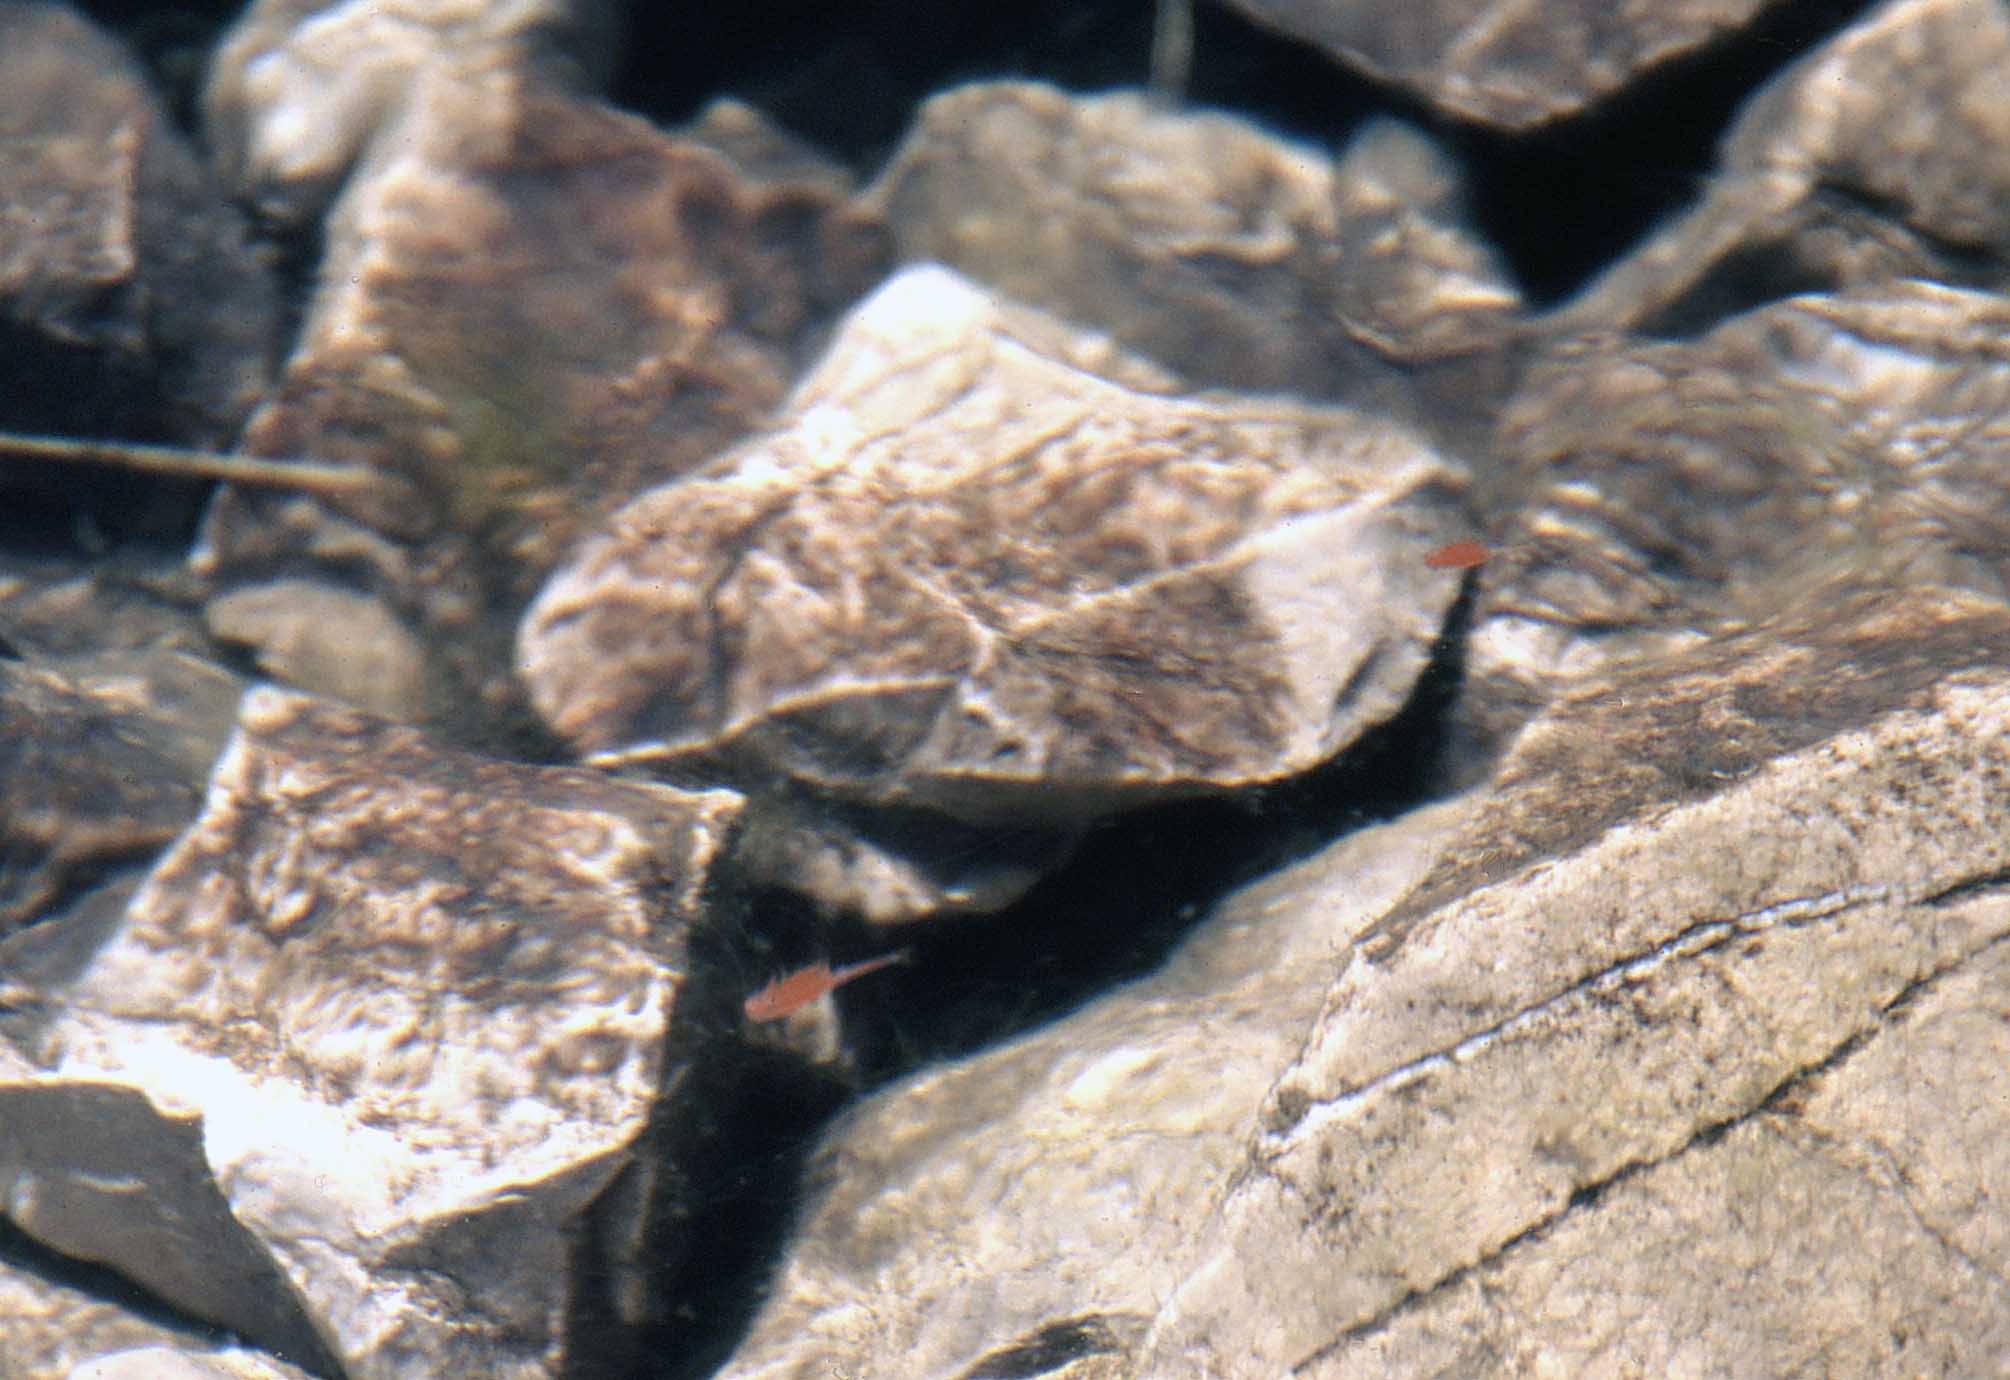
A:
(1520, 1047)
(129, 297)
(1506, 63)
(967, 574)
(1212, 246)
(532, 307)
(372, 1037)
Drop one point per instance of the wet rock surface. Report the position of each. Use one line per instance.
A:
(1506, 63)
(1674, 1042)
(382, 1010)
(1193, 238)
(1076, 594)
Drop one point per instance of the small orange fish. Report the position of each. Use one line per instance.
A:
(1458, 555)
(805, 985)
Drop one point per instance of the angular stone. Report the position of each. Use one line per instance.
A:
(1677, 489)
(967, 574)
(1215, 248)
(102, 761)
(1883, 155)
(1514, 1079)
(128, 295)
(532, 307)
(1506, 63)
(376, 1032)
(300, 90)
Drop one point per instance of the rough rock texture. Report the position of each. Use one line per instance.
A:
(1071, 593)
(1213, 247)
(1717, 1119)
(533, 307)
(300, 89)
(1682, 488)
(102, 761)
(119, 262)
(1506, 63)
(51, 1331)
(1092, 1143)
(1883, 154)
(375, 1033)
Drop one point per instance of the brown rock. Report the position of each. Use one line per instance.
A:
(533, 307)
(128, 296)
(375, 1033)
(1217, 249)
(1506, 63)
(968, 575)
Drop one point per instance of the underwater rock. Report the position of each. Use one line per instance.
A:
(50, 1331)
(1506, 63)
(1681, 489)
(966, 574)
(102, 762)
(1882, 155)
(129, 297)
(299, 90)
(1519, 1038)
(360, 1054)
(1215, 248)
(532, 307)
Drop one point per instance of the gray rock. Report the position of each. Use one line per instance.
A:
(174, 1363)
(1569, 1099)
(375, 1033)
(1215, 248)
(121, 266)
(1879, 156)
(1506, 63)
(1675, 490)
(968, 575)
(102, 761)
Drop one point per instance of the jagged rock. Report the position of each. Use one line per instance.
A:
(300, 90)
(128, 296)
(1506, 63)
(367, 1044)
(1882, 155)
(1681, 489)
(102, 761)
(1215, 248)
(967, 575)
(533, 307)
(1680, 1116)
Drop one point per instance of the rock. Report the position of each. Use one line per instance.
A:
(1507, 64)
(102, 762)
(51, 1331)
(532, 307)
(1884, 154)
(300, 90)
(129, 298)
(967, 575)
(1679, 489)
(1090, 1141)
(1215, 248)
(1680, 1117)
(360, 1054)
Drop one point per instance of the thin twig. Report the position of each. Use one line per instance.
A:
(318, 477)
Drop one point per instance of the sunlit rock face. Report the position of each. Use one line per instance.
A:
(970, 572)
(374, 1033)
